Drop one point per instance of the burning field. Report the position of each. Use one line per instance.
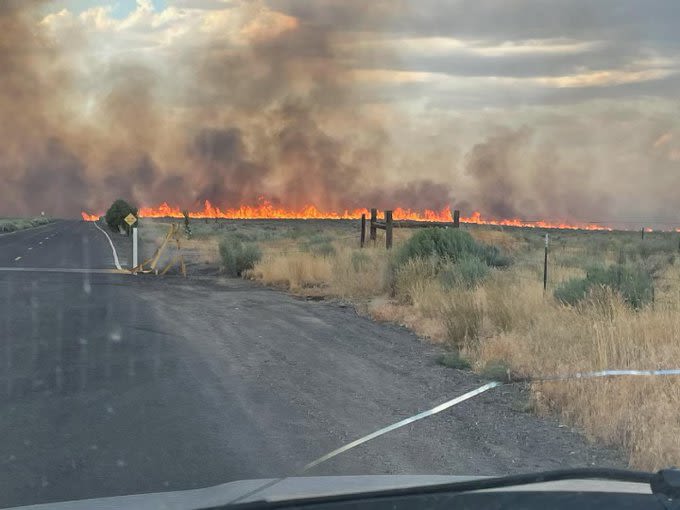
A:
(266, 210)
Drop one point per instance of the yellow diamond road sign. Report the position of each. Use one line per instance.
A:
(130, 219)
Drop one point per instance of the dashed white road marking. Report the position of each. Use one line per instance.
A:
(17, 259)
(30, 248)
(113, 248)
(40, 242)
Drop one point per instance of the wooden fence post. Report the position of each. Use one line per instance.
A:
(363, 230)
(374, 218)
(545, 264)
(456, 219)
(388, 230)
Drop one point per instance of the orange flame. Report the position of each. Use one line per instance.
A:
(267, 210)
(89, 217)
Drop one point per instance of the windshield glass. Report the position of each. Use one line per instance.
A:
(238, 235)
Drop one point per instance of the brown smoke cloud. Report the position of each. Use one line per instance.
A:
(274, 105)
(279, 117)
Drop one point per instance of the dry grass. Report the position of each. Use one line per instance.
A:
(294, 271)
(358, 273)
(499, 238)
(512, 300)
(639, 414)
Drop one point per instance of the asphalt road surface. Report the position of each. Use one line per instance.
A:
(115, 384)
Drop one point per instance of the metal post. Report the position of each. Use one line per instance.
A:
(135, 258)
(374, 218)
(456, 219)
(642, 233)
(545, 264)
(388, 230)
(363, 230)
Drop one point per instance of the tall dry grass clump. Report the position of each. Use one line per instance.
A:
(603, 332)
(358, 273)
(294, 271)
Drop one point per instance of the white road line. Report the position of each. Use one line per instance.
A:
(113, 248)
(17, 259)
(59, 270)
(30, 248)
(40, 242)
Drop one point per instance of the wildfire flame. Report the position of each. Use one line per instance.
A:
(267, 210)
(89, 217)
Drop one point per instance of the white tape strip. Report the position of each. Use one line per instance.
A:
(377, 433)
(402, 423)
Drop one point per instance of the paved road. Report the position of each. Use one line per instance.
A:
(114, 384)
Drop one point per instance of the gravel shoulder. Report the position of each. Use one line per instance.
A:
(312, 376)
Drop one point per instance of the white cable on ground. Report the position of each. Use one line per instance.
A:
(605, 373)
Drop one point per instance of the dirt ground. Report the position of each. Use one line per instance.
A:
(312, 376)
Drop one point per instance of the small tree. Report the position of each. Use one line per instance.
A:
(117, 213)
(187, 227)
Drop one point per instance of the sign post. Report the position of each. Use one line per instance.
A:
(135, 259)
(131, 220)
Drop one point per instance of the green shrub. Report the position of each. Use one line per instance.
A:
(238, 256)
(632, 281)
(453, 360)
(448, 244)
(117, 213)
(452, 253)
(440, 243)
(572, 291)
(323, 249)
(469, 272)
(493, 256)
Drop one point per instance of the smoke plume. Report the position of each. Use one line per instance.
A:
(270, 100)
(274, 116)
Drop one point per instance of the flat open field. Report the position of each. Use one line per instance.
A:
(13, 224)
(612, 302)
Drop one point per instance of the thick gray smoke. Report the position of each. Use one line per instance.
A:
(279, 119)
(282, 111)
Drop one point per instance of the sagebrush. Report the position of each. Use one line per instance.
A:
(238, 256)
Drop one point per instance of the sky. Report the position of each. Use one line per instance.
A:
(119, 9)
(518, 107)
(488, 53)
